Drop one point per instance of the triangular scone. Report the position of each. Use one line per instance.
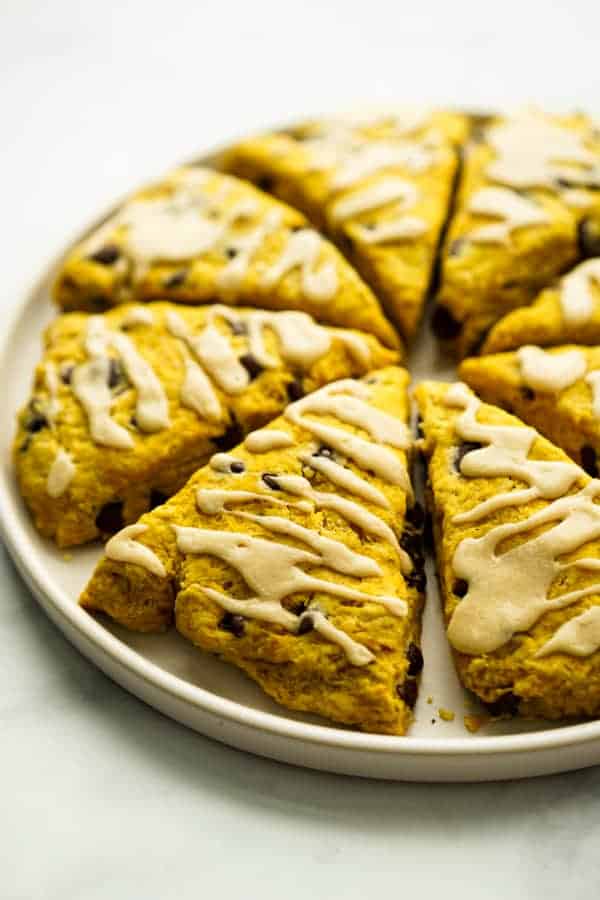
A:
(290, 558)
(566, 312)
(556, 391)
(200, 236)
(517, 536)
(527, 209)
(126, 406)
(379, 185)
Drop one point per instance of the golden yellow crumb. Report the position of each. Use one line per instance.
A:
(446, 714)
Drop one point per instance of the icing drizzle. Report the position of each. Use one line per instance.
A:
(514, 210)
(576, 299)
(123, 547)
(553, 372)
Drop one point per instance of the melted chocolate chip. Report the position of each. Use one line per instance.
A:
(233, 623)
(296, 228)
(462, 450)
(299, 608)
(527, 393)
(588, 236)
(237, 467)
(407, 691)
(417, 579)
(251, 365)
(176, 279)
(116, 375)
(444, 325)
(110, 518)
(266, 183)
(65, 374)
(589, 460)
(415, 660)
(35, 419)
(460, 587)
(231, 252)
(420, 433)
(412, 543)
(415, 516)
(271, 481)
(25, 445)
(506, 705)
(295, 390)
(107, 255)
(231, 437)
(305, 624)
(157, 498)
(456, 246)
(237, 326)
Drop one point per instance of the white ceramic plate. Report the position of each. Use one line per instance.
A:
(216, 699)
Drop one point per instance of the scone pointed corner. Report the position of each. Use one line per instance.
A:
(517, 539)
(199, 236)
(296, 556)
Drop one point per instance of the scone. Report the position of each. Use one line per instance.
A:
(517, 536)
(566, 312)
(294, 557)
(556, 391)
(528, 208)
(200, 236)
(126, 406)
(378, 184)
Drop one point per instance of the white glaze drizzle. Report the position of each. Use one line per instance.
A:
(577, 198)
(212, 501)
(123, 547)
(372, 197)
(515, 211)
(267, 439)
(553, 372)
(533, 151)
(61, 474)
(89, 382)
(507, 592)
(377, 156)
(400, 229)
(576, 299)
(197, 391)
(221, 462)
(505, 455)
(152, 406)
(302, 251)
(345, 478)
(137, 315)
(247, 246)
(579, 636)
(346, 401)
(52, 386)
(593, 379)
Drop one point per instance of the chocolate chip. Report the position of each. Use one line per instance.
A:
(324, 451)
(295, 390)
(233, 623)
(415, 516)
(415, 660)
(231, 437)
(420, 433)
(116, 375)
(157, 498)
(506, 705)
(106, 255)
(305, 624)
(588, 236)
(413, 545)
(589, 460)
(231, 252)
(462, 450)
(407, 691)
(237, 326)
(296, 228)
(25, 445)
(110, 518)
(299, 608)
(266, 183)
(417, 579)
(252, 365)
(527, 393)
(460, 587)
(176, 279)
(271, 481)
(456, 246)
(444, 325)
(65, 374)
(237, 467)
(35, 419)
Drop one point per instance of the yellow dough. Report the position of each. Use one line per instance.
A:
(554, 391)
(290, 558)
(379, 185)
(553, 318)
(172, 384)
(200, 236)
(527, 209)
(502, 567)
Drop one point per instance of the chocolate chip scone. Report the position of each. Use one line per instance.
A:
(517, 537)
(528, 208)
(379, 185)
(127, 405)
(567, 312)
(556, 391)
(200, 236)
(297, 557)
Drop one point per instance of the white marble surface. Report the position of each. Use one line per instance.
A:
(101, 797)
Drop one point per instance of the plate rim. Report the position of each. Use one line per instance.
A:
(22, 552)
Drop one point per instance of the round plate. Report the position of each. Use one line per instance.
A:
(218, 700)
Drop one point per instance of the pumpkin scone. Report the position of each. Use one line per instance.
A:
(528, 209)
(378, 184)
(556, 391)
(127, 405)
(517, 538)
(297, 558)
(199, 236)
(566, 312)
